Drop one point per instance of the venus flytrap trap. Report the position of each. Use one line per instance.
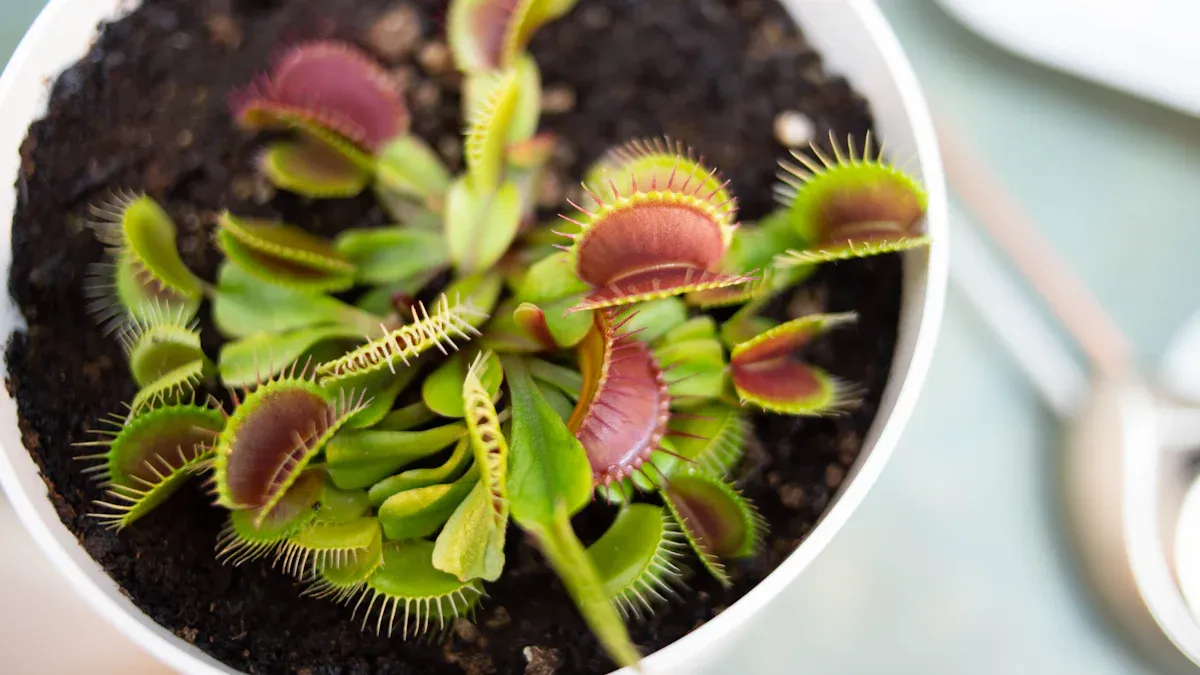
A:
(149, 456)
(144, 274)
(475, 368)
(849, 206)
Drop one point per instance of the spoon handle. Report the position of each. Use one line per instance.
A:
(1098, 336)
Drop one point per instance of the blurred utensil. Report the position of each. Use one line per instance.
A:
(1125, 465)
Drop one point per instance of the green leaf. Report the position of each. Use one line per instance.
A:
(420, 512)
(579, 574)
(132, 292)
(696, 368)
(481, 225)
(244, 305)
(408, 581)
(251, 534)
(310, 168)
(262, 356)
(547, 465)
(755, 246)
(744, 326)
(550, 278)
(389, 255)
(473, 544)
(481, 290)
(447, 472)
(137, 228)
(322, 545)
(697, 328)
(408, 166)
(382, 300)
(284, 255)
(345, 575)
(656, 318)
(406, 418)
(357, 458)
(436, 330)
(161, 344)
(562, 405)
(174, 386)
(714, 437)
(442, 390)
(851, 206)
(566, 380)
(380, 388)
(636, 558)
(488, 127)
(528, 106)
(341, 506)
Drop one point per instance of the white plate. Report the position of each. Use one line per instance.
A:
(1149, 48)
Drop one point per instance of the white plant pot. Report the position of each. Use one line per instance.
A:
(855, 42)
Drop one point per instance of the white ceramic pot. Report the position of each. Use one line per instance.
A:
(855, 42)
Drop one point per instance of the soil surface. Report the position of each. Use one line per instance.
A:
(146, 110)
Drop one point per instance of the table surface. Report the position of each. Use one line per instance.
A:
(956, 562)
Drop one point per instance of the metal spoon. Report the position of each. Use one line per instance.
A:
(1128, 442)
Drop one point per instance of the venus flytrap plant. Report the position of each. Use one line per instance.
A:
(407, 586)
(272, 435)
(550, 479)
(144, 274)
(148, 456)
(244, 305)
(251, 534)
(284, 255)
(472, 544)
(653, 240)
(345, 108)
(491, 34)
(766, 372)
(849, 206)
(716, 520)
(638, 559)
(594, 370)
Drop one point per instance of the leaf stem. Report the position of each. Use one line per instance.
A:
(570, 560)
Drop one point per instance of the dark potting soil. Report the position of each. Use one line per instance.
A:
(145, 110)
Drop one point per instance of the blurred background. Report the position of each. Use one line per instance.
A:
(956, 562)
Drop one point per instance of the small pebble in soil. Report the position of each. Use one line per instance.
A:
(435, 58)
(223, 30)
(395, 34)
(499, 618)
(541, 660)
(793, 129)
(465, 630)
(450, 148)
(834, 475)
(558, 99)
(404, 76)
(426, 96)
(792, 496)
(596, 17)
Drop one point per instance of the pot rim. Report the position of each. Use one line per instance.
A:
(64, 31)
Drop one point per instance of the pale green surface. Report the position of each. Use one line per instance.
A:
(955, 563)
